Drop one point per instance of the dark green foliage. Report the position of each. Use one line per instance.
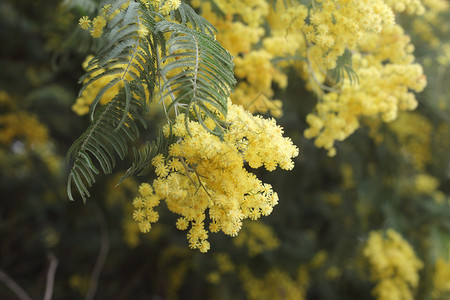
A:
(107, 136)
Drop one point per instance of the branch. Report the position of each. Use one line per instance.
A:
(9, 282)
(101, 259)
(50, 276)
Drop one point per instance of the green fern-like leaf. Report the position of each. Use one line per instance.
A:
(118, 55)
(203, 73)
(344, 67)
(188, 16)
(95, 150)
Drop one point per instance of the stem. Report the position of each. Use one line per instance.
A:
(316, 80)
(9, 282)
(50, 276)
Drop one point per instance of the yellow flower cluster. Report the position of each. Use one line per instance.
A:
(95, 26)
(383, 89)
(413, 132)
(175, 265)
(419, 184)
(224, 266)
(382, 59)
(257, 237)
(82, 104)
(337, 25)
(425, 183)
(22, 125)
(260, 73)
(275, 285)
(254, 67)
(441, 284)
(432, 22)
(393, 265)
(201, 173)
(231, 32)
(18, 124)
(410, 7)
(252, 12)
(164, 6)
(318, 259)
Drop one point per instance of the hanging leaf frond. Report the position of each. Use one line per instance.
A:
(198, 74)
(344, 67)
(95, 150)
(123, 53)
(188, 16)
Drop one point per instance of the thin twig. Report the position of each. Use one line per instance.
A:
(50, 276)
(201, 183)
(186, 168)
(9, 282)
(314, 77)
(101, 259)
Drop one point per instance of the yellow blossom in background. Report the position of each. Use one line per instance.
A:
(393, 265)
(431, 22)
(82, 104)
(252, 12)
(257, 237)
(224, 266)
(22, 125)
(318, 259)
(201, 173)
(224, 263)
(255, 66)
(407, 6)
(337, 25)
(260, 73)
(275, 284)
(425, 184)
(258, 70)
(383, 89)
(413, 132)
(80, 283)
(19, 124)
(441, 283)
(382, 59)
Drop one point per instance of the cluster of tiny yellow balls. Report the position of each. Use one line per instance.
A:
(95, 26)
(164, 7)
(393, 265)
(202, 172)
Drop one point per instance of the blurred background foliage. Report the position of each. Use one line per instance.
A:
(388, 184)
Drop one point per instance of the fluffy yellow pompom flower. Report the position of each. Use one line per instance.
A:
(202, 172)
(393, 265)
(84, 22)
(99, 22)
